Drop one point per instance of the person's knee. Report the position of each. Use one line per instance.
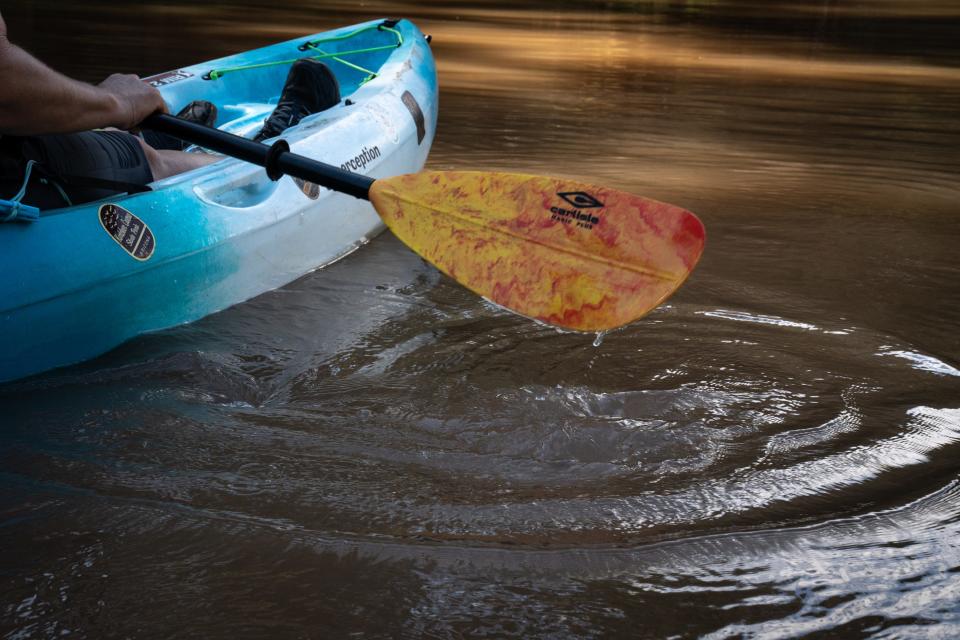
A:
(158, 166)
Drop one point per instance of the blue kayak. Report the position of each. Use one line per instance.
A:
(81, 280)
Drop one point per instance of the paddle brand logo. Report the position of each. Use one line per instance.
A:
(579, 200)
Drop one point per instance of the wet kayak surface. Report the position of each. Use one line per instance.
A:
(373, 451)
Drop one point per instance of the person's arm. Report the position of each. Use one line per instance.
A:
(35, 99)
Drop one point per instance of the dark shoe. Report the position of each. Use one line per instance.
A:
(310, 87)
(199, 111)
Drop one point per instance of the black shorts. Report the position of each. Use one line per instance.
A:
(69, 158)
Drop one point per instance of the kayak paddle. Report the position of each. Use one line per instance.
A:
(570, 254)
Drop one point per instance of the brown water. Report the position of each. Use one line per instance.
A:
(372, 451)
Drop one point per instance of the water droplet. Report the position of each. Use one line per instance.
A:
(599, 339)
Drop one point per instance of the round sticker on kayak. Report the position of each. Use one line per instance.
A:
(129, 231)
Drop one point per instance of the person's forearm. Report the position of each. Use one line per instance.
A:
(35, 99)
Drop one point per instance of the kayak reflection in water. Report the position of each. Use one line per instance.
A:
(51, 158)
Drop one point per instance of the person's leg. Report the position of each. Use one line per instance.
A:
(166, 162)
(115, 156)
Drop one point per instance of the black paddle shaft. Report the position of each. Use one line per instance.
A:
(276, 159)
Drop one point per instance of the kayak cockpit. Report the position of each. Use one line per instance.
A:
(246, 86)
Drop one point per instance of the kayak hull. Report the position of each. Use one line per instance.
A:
(84, 279)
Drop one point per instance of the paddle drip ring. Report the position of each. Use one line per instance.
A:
(277, 149)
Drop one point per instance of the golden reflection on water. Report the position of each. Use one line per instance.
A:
(765, 114)
(486, 56)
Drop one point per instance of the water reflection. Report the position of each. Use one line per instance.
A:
(374, 450)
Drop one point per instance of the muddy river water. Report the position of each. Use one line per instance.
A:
(373, 451)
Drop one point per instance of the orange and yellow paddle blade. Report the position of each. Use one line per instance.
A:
(573, 255)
